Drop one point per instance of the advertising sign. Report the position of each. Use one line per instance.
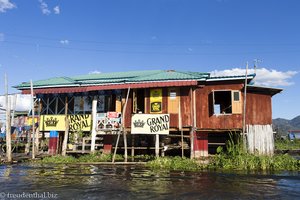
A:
(57, 122)
(156, 100)
(150, 124)
(109, 120)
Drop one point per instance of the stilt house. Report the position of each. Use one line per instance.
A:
(182, 112)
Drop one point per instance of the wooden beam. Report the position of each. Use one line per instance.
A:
(33, 124)
(8, 124)
(66, 135)
(94, 132)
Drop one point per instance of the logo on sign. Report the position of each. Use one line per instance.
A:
(51, 122)
(138, 123)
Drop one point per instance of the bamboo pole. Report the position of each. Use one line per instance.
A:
(33, 124)
(13, 109)
(244, 108)
(66, 135)
(180, 128)
(193, 119)
(122, 129)
(8, 125)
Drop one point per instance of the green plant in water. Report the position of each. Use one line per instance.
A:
(94, 157)
(237, 158)
(174, 163)
(58, 159)
(287, 144)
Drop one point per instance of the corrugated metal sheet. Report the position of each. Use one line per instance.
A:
(110, 87)
(115, 78)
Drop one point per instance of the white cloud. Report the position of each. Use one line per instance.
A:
(95, 72)
(265, 77)
(56, 10)
(44, 8)
(64, 42)
(23, 102)
(6, 5)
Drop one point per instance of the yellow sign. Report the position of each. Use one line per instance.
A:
(57, 122)
(80, 122)
(28, 120)
(155, 100)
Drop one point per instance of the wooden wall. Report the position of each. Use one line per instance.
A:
(259, 109)
(204, 118)
(185, 104)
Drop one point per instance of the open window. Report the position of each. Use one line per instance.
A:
(138, 101)
(225, 102)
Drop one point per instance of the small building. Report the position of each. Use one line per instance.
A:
(189, 112)
(294, 134)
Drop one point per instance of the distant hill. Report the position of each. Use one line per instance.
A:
(282, 126)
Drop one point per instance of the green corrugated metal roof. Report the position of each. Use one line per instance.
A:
(120, 77)
(48, 82)
(116, 75)
(170, 75)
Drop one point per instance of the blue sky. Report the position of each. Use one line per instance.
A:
(47, 38)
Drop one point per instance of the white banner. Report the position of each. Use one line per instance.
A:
(150, 123)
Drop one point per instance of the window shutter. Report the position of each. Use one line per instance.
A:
(236, 102)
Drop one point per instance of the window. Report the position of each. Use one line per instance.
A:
(173, 100)
(138, 101)
(225, 102)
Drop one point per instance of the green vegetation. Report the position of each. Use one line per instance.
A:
(174, 163)
(237, 158)
(95, 157)
(234, 158)
(287, 144)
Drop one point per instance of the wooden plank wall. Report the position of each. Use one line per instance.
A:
(207, 121)
(185, 104)
(259, 109)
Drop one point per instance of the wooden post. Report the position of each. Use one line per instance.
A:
(180, 128)
(27, 146)
(66, 135)
(244, 108)
(192, 143)
(163, 151)
(33, 124)
(94, 132)
(13, 109)
(122, 129)
(125, 145)
(8, 125)
(157, 145)
(132, 147)
(37, 133)
(115, 151)
(193, 119)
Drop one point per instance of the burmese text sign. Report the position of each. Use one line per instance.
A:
(150, 124)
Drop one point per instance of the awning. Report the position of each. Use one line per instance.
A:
(263, 90)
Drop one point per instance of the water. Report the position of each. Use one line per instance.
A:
(137, 182)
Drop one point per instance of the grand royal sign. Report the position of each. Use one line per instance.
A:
(150, 124)
(81, 122)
